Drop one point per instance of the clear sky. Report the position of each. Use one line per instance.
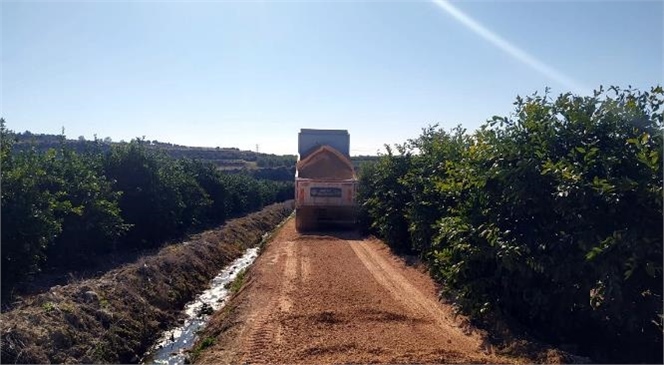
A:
(238, 74)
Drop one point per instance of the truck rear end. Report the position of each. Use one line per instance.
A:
(325, 181)
(325, 203)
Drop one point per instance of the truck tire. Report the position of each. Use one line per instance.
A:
(304, 220)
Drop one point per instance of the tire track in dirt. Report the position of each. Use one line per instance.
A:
(413, 299)
(268, 334)
(338, 298)
(290, 276)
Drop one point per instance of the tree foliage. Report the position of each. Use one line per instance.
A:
(60, 206)
(552, 216)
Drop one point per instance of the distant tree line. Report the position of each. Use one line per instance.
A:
(273, 161)
(232, 160)
(359, 160)
(62, 205)
(281, 173)
(227, 158)
(552, 217)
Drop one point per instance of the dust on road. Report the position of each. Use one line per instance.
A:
(340, 299)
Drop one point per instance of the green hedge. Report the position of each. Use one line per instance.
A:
(61, 206)
(552, 216)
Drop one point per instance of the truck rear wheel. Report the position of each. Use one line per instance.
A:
(304, 220)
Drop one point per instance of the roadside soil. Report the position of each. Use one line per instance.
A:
(341, 298)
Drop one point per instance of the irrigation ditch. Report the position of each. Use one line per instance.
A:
(175, 344)
(119, 316)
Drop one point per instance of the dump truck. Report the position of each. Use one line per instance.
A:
(325, 180)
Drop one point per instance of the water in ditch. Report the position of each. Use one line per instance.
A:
(172, 346)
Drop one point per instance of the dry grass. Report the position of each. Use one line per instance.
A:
(116, 317)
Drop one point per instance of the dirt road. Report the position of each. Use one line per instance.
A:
(339, 299)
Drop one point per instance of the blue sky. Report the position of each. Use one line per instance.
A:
(237, 74)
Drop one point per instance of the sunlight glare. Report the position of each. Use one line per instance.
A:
(509, 48)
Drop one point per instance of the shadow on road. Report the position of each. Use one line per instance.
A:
(334, 231)
(353, 234)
